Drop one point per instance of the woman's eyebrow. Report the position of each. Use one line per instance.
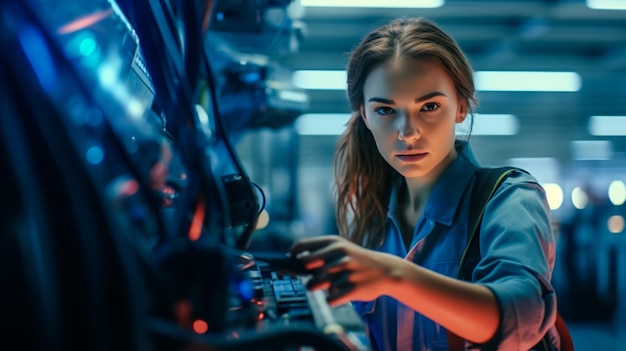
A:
(429, 96)
(382, 100)
(419, 99)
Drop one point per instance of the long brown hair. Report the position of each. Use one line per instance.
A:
(363, 179)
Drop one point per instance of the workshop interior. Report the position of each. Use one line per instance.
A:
(160, 156)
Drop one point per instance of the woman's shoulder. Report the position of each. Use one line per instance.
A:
(519, 185)
(519, 176)
(514, 176)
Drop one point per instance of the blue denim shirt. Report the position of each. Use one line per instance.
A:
(517, 257)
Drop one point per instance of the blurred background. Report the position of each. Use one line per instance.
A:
(551, 86)
(153, 149)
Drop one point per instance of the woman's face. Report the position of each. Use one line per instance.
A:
(411, 107)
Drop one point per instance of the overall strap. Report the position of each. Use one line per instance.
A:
(487, 182)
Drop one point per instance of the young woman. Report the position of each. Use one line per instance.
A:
(400, 173)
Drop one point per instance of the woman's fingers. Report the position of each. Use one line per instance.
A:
(330, 281)
(360, 291)
(318, 285)
(341, 290)
(347, 271)
(348, 285)
(312, 244)
(329, 264)
(338, 298)
(334, 253)
(313, 265)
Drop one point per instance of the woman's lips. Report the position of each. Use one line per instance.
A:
(411, 157)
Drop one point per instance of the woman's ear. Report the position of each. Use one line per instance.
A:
(362, 112)
(462, 113)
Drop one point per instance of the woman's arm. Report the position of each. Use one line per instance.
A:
(352, 273)
(517, 252)
(467, 309)
(511, 300)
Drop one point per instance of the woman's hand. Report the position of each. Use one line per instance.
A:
(352, 273)
(348, 271)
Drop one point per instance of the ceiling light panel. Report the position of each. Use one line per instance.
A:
(374, 3)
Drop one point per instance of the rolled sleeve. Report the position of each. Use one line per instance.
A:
(517, 250)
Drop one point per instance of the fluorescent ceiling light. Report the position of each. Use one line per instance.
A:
(319, 79)
(335, 124)
(591, 149)
(527, 81)
(374, 3)
(607, 125)
(322, 123)
(484, 80)
(490, 124)
(606, 4)
(291, 95)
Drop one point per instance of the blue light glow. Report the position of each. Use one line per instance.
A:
(39, 57)
(84, 46)
(244, 287)
(94, 155)
(87, 46)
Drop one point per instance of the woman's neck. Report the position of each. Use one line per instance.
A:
(419, 188)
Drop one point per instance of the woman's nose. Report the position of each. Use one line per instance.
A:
(407, 128)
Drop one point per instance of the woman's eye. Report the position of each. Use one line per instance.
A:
(384, 110)
(431, 106)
